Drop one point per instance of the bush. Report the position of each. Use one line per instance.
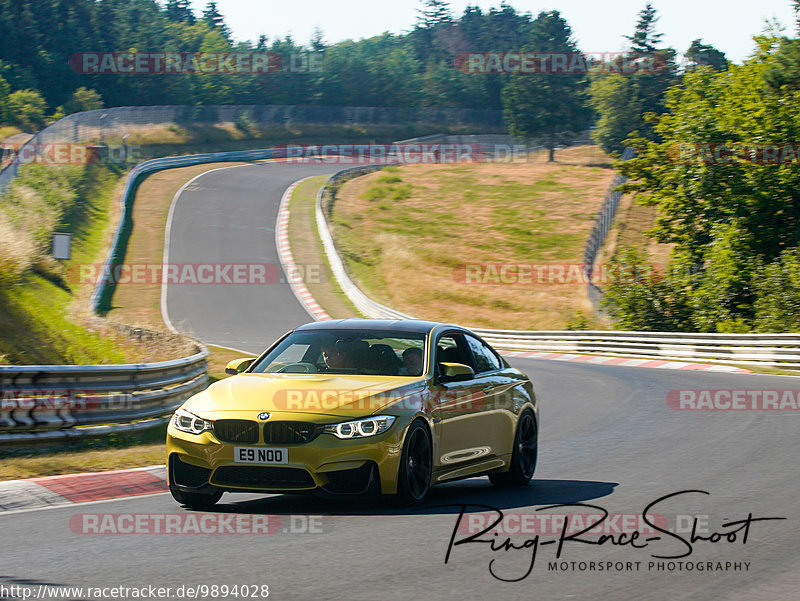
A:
(83, 99)
(246, 125)
(17, 251)
(777, 305)
(639, 298)
(26, 108)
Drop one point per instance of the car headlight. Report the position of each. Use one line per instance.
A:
(360, 428)
(189, 422)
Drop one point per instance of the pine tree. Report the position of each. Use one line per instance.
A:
(550, 105)
(700, 54)
(181, 11)
(317, 40)
(216, 21)
(644, 39)
(435, 12)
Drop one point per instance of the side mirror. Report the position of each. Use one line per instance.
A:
(456, 372)
(237, 366)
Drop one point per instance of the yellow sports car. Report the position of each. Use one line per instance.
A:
(357, 406)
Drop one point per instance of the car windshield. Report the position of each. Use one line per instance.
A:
(362, 352)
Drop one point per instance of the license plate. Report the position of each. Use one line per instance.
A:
(254, 455)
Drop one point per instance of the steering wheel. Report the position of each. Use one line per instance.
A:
(301, 367)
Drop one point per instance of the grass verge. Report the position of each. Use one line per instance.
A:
(408, 235)
(110, 453)
(309, 253)
(43, 319)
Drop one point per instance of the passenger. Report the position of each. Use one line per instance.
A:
(412, 362)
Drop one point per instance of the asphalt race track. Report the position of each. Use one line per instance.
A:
(227, 217)
(608, 438)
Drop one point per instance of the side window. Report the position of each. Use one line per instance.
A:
(485, 359)
(447, 350)
(451, 348)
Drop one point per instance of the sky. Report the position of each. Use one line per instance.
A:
(597, 26)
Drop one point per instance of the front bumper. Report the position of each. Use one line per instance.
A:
(201, 463)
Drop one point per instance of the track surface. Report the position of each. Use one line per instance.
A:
(227, 216)
(607, 438)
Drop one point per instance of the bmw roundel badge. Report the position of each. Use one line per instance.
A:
(264, 415)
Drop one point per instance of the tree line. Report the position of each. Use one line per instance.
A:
(418, 68)
(722, 169)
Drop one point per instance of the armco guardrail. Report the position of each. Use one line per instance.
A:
(126, 201)
(52, 403)
(781, 350)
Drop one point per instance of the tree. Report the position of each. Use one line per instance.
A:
(651, 71)
(83, 99)
(216, 21)
(700, 54)
(551, 104)
(5, 90)
(613, 99)
(796, 7)
(435, 12)
(317, 40)
(26, 108)
(180, 11)
(727, 191)
(645, 39)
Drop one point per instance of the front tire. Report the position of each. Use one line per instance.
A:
(195, 500)
(524, 456)
(416, 465)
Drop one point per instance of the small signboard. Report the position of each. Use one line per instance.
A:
(62, 244)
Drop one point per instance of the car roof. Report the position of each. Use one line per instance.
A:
(419, 326)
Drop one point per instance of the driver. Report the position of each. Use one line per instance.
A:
(335, 356)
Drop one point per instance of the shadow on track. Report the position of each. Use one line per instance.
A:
(443, 499)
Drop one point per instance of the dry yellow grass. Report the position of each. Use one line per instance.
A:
(407, 234)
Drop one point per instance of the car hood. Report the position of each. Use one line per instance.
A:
(335, 395)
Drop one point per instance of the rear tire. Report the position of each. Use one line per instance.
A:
(416, 465)
(524, 456)
(195, 500)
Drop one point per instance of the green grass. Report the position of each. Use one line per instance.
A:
(36, 326)
(35, 330)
